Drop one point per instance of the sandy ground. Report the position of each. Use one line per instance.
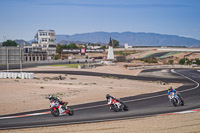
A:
(26, 95)
(180, 123)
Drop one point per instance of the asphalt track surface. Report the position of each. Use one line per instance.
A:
(139, 106)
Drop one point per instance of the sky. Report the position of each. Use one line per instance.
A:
(21, 19)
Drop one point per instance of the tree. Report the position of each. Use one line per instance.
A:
(182, 61)
(72, 46)
(103, 47)
(9, 43)
(197, 61)
(115, 43)
(58, 48)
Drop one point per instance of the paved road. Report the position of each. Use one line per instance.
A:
(139, 106)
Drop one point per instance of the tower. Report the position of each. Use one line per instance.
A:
(110, 56)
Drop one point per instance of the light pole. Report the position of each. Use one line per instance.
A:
(20, 59)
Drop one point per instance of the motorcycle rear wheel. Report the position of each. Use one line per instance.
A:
(71, 111)
(182, 102)
(125, 108)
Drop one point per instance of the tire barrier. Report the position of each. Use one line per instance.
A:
(15, 75)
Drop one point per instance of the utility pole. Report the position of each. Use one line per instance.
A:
(7, 61)
(20, 60)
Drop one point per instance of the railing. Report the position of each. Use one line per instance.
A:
(160, 66)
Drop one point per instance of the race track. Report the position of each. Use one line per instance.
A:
(139, 106)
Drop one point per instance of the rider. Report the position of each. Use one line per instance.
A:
(56, 99)
(170, 90)
(110, 99)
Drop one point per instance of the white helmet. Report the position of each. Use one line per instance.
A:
(50, 97)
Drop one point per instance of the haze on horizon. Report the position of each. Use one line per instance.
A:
(20, 19)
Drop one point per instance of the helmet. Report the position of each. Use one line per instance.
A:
(170, 88)
(107, 95)
(50, 97)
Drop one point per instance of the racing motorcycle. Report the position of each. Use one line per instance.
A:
(175, 99)
(58, 109)
(117, 105)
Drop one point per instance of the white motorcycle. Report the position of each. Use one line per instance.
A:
(175, 99)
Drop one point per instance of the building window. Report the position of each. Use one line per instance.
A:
(44, 39)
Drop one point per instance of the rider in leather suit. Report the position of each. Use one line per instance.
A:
(56, 99)
(170, 90)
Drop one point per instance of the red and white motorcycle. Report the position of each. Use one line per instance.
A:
(58, 109)
(117, 105)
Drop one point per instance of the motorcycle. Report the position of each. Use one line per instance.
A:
(176, 100)
(118, 105)
(58, 109)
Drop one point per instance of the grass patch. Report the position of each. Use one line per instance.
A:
(52, 78)
(111, 77)
(36, 78)
(66, 65)
(73, 78)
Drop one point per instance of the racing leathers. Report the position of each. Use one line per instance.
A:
(175, 91)
(110, 100)
(56, 99)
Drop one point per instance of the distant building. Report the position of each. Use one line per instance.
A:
(32, 54)
(47, 40)
(126, 46)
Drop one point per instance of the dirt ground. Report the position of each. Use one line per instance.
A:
(27, 95)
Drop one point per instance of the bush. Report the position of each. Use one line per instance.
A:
(182, 61)
(150, 60)
(171, 62)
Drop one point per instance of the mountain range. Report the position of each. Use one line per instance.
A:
(132, 38)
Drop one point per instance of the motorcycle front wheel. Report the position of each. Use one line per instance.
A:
(55, 112)
(175, 102)
(125, 108)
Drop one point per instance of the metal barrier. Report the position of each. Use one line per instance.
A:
(160, 66)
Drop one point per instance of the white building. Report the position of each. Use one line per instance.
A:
(126, 46)
(47, 40)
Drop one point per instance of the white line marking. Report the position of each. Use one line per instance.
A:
(187, 78)
(36, 114)
(198, 70)
(6, 117)
(184, 112)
